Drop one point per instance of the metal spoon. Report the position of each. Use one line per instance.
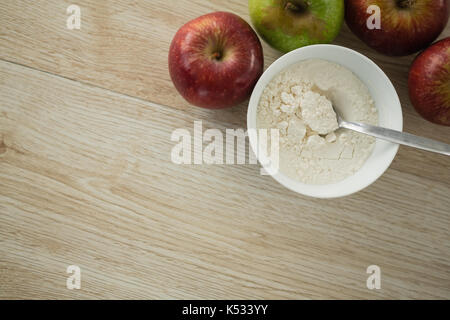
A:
(395, 136)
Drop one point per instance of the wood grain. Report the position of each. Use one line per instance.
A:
(123, 46)
(86, 178)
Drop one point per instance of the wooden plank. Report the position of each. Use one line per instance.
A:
(86, 179)
(123, 46)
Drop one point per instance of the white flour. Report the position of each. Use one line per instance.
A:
(298, 102)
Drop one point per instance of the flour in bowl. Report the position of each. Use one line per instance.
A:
(299, 102)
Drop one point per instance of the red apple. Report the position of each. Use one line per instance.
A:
(215, 60)
(429, 83)
(407, 26)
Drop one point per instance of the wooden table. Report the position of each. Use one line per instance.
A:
(86, 179)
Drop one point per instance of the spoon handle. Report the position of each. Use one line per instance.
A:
(398, 137)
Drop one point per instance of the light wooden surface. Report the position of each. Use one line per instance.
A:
(86, 178)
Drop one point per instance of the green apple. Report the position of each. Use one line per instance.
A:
(290, 24)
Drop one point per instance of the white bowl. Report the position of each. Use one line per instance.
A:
(386, 101)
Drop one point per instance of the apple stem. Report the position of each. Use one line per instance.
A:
(405, 4)
(296, 6)
(216, 55)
